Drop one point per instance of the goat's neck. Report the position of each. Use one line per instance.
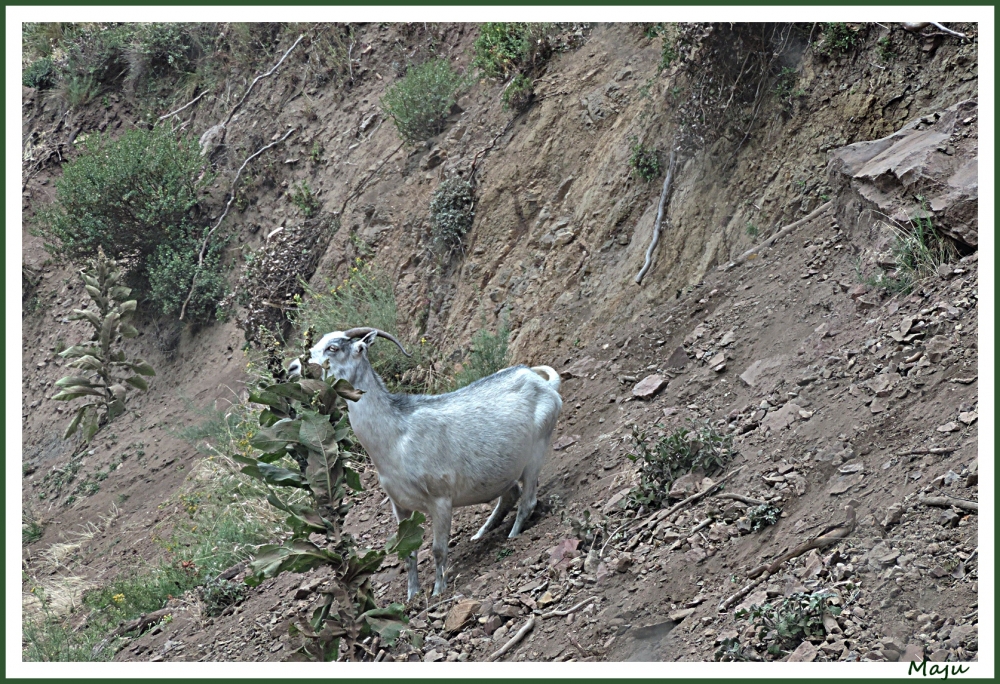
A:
(374, 419)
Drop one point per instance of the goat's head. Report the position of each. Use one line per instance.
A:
(346, 352)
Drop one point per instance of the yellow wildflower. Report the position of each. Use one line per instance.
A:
(118, 598)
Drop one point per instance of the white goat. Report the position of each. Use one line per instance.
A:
(434, 453)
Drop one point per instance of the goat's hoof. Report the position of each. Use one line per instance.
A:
(477, 536)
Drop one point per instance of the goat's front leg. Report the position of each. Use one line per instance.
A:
(442, 531)
(412, 578)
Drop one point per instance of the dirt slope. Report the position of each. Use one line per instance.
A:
(835, 391)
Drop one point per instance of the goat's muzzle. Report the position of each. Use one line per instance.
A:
(361, 332)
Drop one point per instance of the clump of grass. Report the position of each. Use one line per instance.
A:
(504, 47)
(39, 74)
(884, 47)
(752, 230)
(452, 212)
(919, 251)
(663, 461)
(645, 161)
(784, 86)
(419, 102)
(490, 353)
(364, 298)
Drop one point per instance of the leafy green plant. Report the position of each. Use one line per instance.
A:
(752, 230)
(503, 47)
(173, 270)
(452, 212)
(787, 623)
(303, 197)
(668, 54)
(585, 528)
(762, 516)
(919, 251)
(307, 420)
(838, 38)
(784, 86)
(519, 93)
(316, 154)
(106, 370)
(218, 594)
(365, 298)
(731, 650)
(31, 530)
(673, 455)
(39, 74)
(884, 47)
(645, 161)
(419, 102)
(127, 196)
(489, 353)
(654, 30)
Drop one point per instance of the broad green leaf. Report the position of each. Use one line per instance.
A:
(75, 423)
(78, 350)
(115, 409)
(137, 382)
(90, 425)
(408, 537)
(142, 368)
(94, 292)
(120, 292)
(281, 477)
(316, 432)
(353, 479)
(387, 622)
(128, 331)
(89, 316)
(267, 398)
(275, 437)
(75, 381)
(108, 328)
(87, 363)
(305, 516)
(295, 556)
(76, 393)
(348, 391)
(290, 390)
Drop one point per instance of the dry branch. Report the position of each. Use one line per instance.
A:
(948, 502)
(264, 75)
(361, 186)
(738, 596)
(826, 538)
(167, 116)
(232, 196)
(659, 218)
(482, 152)
(515, 640)
(740, 497)
(777, 236)
(563, 613)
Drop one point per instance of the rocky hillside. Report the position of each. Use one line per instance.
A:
(807, 332)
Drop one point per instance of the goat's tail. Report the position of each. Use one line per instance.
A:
(550, 375)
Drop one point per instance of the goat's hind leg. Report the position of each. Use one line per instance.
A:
(442, 531)
(412, 578)
(506, 502)
(529, 478)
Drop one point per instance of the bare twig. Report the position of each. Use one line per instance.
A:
(695, 530)
(924, 450)
(264, 75)
(482, 152)
(167, 116)
(738, 596)
(777, 236)
(360, 186)
(828, 537)
(515, 640)
(947, 30)
(232, 196)
(948, 502)
(740, 497)
(659, 218)
(563, 613)
(439, 603)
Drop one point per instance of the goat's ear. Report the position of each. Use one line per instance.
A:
(365, 342)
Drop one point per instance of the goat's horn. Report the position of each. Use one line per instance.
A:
(361, 332)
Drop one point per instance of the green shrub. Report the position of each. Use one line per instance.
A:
(762, 516)
(668, 54)
(126, 196)
(673, 455)
(490, 353)
(452, 212)
(173, 270)
(785, 624)
(838, 38)
(519, 93)
(503, 47)
(364, 298)
(645, 161)
(39, 74)
(420, 102)
(136, 198)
